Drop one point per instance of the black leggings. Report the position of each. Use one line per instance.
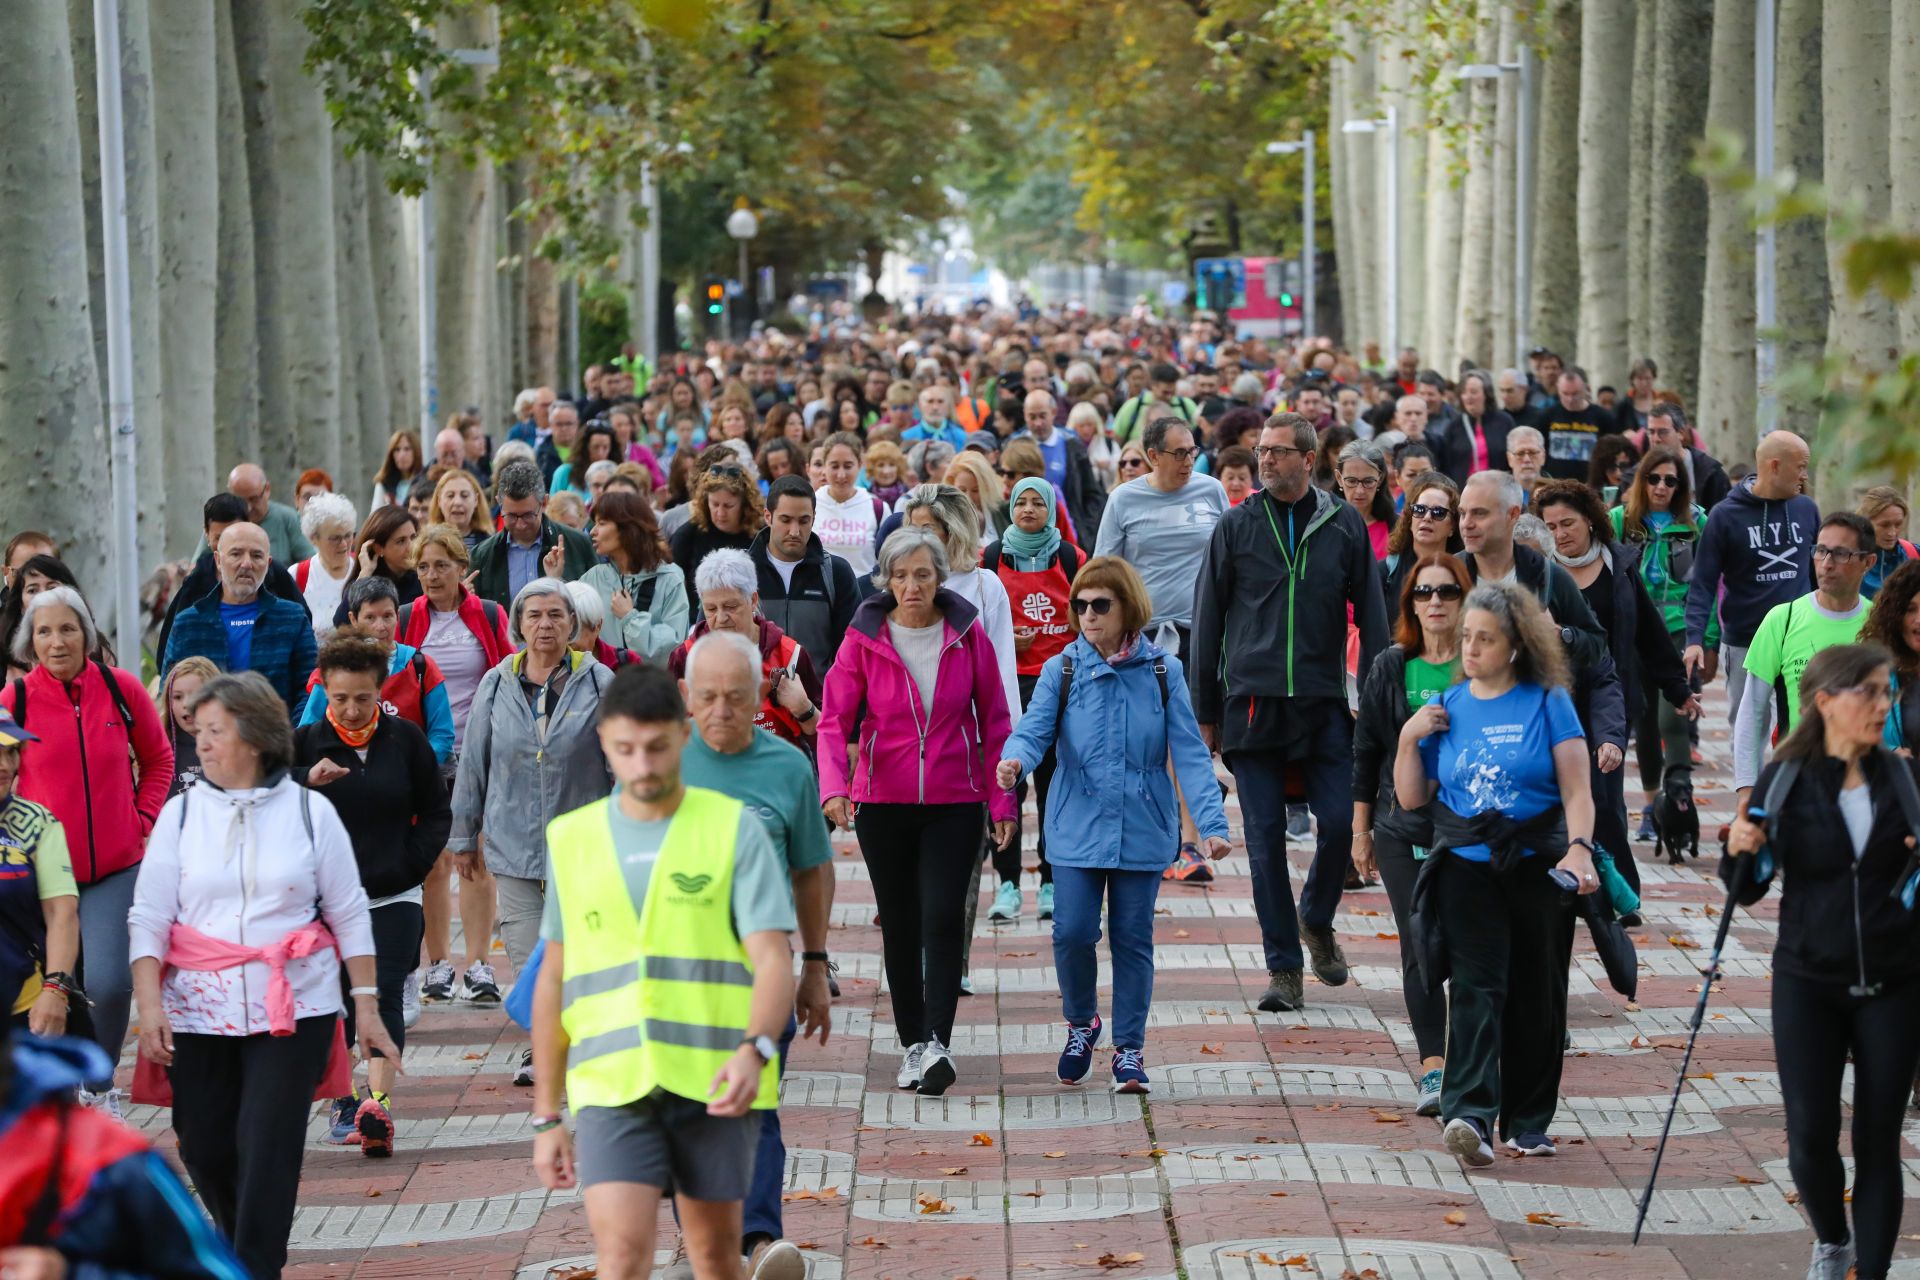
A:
(1815, 1024)
(397, 928)
(1426, 1010)
(1006, 862)
(921, 859)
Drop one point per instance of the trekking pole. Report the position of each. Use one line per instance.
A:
(1686, 1059)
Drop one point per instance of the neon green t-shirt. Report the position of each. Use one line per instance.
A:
(1789, 636)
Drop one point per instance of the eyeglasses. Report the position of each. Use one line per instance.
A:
(1663, 482)
(1839, 555)
(1101, 605)
(1445, 590)
(1274, 452)
(1421, 511)
(1875, 692)
(1181, 455)
(1359, 482)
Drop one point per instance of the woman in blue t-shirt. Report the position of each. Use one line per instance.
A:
(1499, 763)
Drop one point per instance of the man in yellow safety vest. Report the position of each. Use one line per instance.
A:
(667, 979)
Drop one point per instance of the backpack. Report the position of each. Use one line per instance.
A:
(1071, 558)
(1066, 685)
(18, 689)
(306, 809)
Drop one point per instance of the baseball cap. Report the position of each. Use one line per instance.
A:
(11, 734)
(984, 441)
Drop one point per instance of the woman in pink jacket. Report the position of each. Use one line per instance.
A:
(104, 765)
(920, 676)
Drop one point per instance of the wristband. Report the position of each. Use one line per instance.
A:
(808, 957)
(356, 992)
(1583, 842)
(541, 1124)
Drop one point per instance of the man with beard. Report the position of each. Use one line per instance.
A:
(240, 627)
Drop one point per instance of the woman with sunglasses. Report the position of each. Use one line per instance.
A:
(1421, 663)
(1361, 470)
(1111, 708)
(1428, 525)
(1132, 464)
(1608, 575)
(1659, 518)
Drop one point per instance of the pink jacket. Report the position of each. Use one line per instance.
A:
(907, 757)
(188, 948)
(80, 768)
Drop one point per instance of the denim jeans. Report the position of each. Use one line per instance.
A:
(1261, 777)
(761, 1213)
(1130, 896)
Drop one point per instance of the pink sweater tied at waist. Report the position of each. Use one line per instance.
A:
(188, 948)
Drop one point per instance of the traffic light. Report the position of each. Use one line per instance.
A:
(716, 290)
(1286, 299)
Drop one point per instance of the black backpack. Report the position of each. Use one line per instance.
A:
(18, 690)
(1066, 685)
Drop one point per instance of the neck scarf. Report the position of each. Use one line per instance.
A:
(1031, 552)
(355, 738)
(1580, 562)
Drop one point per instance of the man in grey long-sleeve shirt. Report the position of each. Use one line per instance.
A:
(1161, 523)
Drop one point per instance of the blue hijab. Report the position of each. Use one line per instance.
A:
(1032, 552)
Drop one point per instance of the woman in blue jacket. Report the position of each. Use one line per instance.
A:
(1110, 706)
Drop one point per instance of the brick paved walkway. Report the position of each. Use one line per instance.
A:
(1272, 1146)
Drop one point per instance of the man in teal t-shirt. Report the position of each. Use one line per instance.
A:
(1793, 632)
(726, 753)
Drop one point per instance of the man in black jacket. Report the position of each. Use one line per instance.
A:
(805, 590)
(221, 510)
(1489, 506)
(1269, 674)
(1069, 469)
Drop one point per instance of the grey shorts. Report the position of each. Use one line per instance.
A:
(670, 1142)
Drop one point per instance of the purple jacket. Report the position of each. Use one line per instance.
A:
(905, 756)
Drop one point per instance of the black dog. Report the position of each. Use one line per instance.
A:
(1676, 822)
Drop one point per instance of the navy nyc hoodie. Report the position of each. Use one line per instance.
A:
(1762, 551)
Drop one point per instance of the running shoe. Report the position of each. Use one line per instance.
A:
(1076, 1060)
(1429, 1103)
(1647, 833)
(111, 1104)
(523, 1075)
(375, 1124)
(1189, 865)
(1467, 1139)
(966, 985)
(936, 1068)
(909, 1077)
(1006, 902)
(1130, 1072)
(1831, 1261)
(1298, 825)
(1323, 948)
(438, 985)
(1045, 900)
(1284, 992)
(477, 984)
(410, 1000)
(341, 1130)
(1532, 1144)
(776, 1260)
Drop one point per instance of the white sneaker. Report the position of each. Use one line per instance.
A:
(111, 1104)
(410, 1000)
(523, 1076)
(909, 1077)
(936, 1068)
(1830, 1261)
(777, 1260)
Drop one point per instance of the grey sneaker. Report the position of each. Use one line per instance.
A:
(1323, 948)
(777, 1260)
(1466, 1139)
(1830, 1261)
(1284, 993)
(909, 1077)
(1298, 823)
(410, 1000)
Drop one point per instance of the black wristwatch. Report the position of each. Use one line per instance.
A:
(1584, 843)
(808, 957)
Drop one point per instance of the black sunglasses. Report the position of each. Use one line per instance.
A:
(1663, 482)
(1101, 605)
(1445, 590)
(1421, 511)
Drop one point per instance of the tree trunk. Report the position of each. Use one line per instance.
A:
(1904, 148)
(517, 248)
(1362, 190)
(1727, 395)
(365, 409)
(1553, 307)
(290, 167)
(236, 379)
(1605, 201)
(464, 347)
(1506, 130)
(1339, 177)
(1640, 161)
(1676, 267)
(49, 379)
(1473, 325)
(392, 223)
(543, 310)
(1800, 246)
(185, 122)
(1854, 74)
(1445, 197)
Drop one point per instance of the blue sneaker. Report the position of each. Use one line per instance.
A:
(1006, 902)
(1076, 1060)
(1129, 1072)
(1429, 1104)
(1045, 898)
(342, 1128)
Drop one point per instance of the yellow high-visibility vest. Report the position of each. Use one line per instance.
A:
(659, 997)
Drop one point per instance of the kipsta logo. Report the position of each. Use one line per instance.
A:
(690, 884)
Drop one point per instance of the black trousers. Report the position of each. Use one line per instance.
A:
(1006, 862)
(1815, 1025)
(1509, 941)
(397, 930)
(1426, 1010)
(240, 1107)
(922, 859)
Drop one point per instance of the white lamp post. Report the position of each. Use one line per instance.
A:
(1307, 259)
(743, 225)
(1522, 189)
(1389, 125)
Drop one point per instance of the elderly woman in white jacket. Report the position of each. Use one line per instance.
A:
(247, 900)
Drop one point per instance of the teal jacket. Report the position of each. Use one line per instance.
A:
(1666, 566)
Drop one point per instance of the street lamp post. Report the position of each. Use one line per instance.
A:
(1522, 189)
(1389, 125)
(1766, 250)
(1308, 262)
(743, 226)
(119, 308)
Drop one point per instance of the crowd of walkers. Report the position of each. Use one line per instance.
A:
(602, 691)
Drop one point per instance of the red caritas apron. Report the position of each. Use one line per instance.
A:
(1040, 601)
(771, 716)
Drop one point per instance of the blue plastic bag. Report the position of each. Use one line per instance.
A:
(519, 1001)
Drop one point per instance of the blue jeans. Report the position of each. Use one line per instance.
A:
(761, 1213)
(1130, 896)
(1261, 779)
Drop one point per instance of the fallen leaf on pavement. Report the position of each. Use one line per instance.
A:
(980, 1140)
(1456, 1218)
(1112, 1260)
(1278, 1195)
(1387, 937)
(1181, 933)
(372, 1192)
(1550, 1220)
(955, 1171)
(1210, 1048)
(872, 1242)
(934, 1204)
(573, 1273)
(1388, 1117)
(1053, 1155)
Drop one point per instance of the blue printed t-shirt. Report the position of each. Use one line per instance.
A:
(239, 620)
(1497, 753)
(1054, 454)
